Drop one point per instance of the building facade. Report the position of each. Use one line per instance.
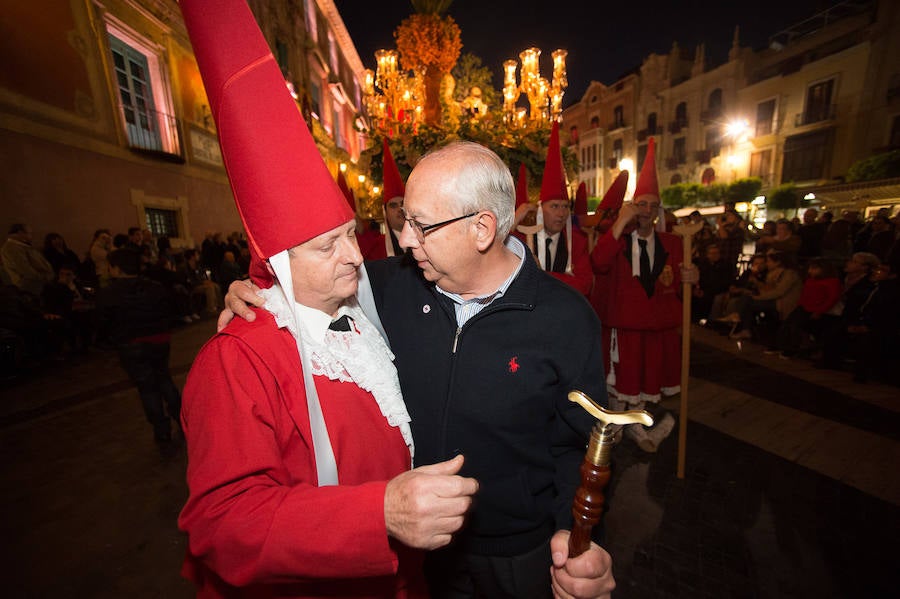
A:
(104, 121)
(824, 94)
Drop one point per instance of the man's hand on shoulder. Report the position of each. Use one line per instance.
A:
(241, 295)
(587, 576)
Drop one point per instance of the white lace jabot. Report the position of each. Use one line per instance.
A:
(363, 358)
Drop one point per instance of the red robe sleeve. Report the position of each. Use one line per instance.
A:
(254, 514)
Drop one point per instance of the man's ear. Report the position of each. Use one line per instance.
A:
(485, 230)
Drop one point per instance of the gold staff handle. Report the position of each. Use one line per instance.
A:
(587, 506)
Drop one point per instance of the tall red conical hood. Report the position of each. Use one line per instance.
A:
(580, 208)
(553, 184)
(615, 195)
(393, 184)
(646, 183)
(345, 189)
(522, 186)
(284, 192)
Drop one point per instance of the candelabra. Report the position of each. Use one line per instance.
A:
(390, 94)
(544, 97)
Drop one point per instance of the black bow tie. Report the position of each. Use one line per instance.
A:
(341, 323)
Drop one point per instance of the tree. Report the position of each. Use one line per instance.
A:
(783, 198)
(743, 190)
(880, 166)
(430, 44)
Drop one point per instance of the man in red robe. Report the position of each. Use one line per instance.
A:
(640, 308)
(299, 446)
(559, 249)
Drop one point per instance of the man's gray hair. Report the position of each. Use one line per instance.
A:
(481, 181)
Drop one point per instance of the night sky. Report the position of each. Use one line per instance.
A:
(605, 39)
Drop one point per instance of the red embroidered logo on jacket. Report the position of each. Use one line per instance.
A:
(513, 365)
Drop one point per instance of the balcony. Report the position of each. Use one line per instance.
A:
(711, 114)
(613, 163)
(817, 115)
(153, 133)
(615, 125)
(703, 156)
(671, 163)
(677, 125)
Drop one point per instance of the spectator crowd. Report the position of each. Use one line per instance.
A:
(49, 295)
(819, 288)
(822, 289)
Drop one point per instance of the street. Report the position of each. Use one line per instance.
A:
(790, 488)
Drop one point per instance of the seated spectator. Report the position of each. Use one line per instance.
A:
(165, 272)
(763, 236)
(66, 304)
(773, 302)
(874, 339)
(58, 253)
(726, 306)
(818, 306)
(715, 278)
(783, 241)
(229, 271)
(811, 233)
(837, 244)
(120, 241)
(205, 295)
(100, 248)
(857, 286)
(25, 264)
(881, 237)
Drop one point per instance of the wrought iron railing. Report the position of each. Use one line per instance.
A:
(152, 131)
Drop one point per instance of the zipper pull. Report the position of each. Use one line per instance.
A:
(456, 339)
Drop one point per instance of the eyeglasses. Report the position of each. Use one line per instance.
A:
(421, 230)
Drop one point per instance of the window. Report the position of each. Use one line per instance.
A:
(713, 142)
(818, 103)
(681, 114)
(765, 117)
(573, 135)
(761, 164)
(651, 123)
(708, 177)
(679, 150)
(315, 94)
(595, 122)
(141, 83)
(311, 25)
(338, 129)
(675, 180)
(162, 222)
(805, 155)
(641, 154)
(714, 104)
(618, 117)
(333, 53)
(617, 150)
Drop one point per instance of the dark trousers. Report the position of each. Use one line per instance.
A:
(147, 364)
(452, 574)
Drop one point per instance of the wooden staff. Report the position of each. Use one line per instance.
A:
(587, 506)
(686, 231)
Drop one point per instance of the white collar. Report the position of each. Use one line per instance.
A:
(314, 323)
(364, 359)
